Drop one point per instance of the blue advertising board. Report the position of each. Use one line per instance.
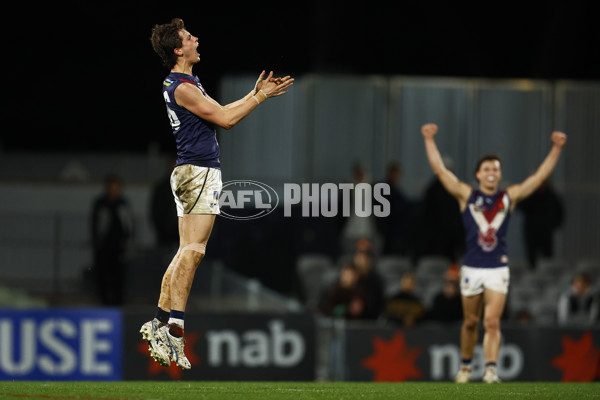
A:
(60, 344)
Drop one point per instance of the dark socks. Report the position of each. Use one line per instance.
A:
(162, 315)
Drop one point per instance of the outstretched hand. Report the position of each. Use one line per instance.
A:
(429, 130)
(559, 138)
(273, 87)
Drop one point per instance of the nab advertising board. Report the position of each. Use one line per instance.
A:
(231, 347)
(60, 344)
(433, 354)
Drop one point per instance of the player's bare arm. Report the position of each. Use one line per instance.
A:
(460, 190)
(522, 190)
(190, 97)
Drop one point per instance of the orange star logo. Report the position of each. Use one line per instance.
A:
(393, 361)
(174, 371)
(580, 360)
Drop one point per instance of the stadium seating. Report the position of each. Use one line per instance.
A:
(432, 267)
(391, 269)
(315, 272)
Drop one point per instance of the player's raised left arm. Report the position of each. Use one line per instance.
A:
(190, 97)
(247, 97)
(253, 92)
(522, 190)
(260, 82)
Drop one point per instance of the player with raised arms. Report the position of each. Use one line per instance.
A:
(484, 276)
(196, 179)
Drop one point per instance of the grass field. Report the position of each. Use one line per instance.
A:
(295, 390)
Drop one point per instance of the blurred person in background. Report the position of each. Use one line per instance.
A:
(369, 279)
(439, 210)
(346, 298)
(196, 180)
(112, 232)
(163, 215)
(355, 227)
(580, 305)
(393, 227)
(486, 213)
(405, 307)
(543, 212)
(447, 304)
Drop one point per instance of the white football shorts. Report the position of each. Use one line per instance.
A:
(196, 189)
(474, 280)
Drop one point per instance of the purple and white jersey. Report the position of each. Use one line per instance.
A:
(196, 138)
(486, 222)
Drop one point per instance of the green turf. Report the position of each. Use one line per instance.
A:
(295, 390)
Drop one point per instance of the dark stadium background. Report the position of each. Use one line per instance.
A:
(83, 76)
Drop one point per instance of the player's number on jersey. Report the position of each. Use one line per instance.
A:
(172, 115)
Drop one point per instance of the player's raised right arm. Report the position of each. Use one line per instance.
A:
(460, 190)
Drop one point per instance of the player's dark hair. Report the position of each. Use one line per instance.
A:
(165, 38)
(487, 157)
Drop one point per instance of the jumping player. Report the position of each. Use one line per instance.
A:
(196, 179)
(484, 276)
